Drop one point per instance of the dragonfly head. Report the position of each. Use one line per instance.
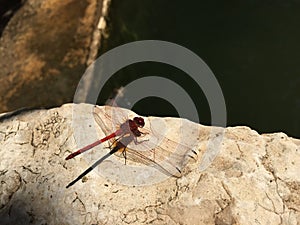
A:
(139, 121)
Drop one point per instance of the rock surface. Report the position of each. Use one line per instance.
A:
(253, 180)
(45, 49)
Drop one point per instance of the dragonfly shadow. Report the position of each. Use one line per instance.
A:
(89, 170)
(118, 145)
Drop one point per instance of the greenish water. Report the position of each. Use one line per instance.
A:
(252, 47)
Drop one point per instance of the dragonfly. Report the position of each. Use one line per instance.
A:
(128, 127)
(157, 156)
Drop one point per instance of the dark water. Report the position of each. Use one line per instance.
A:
(252, 47)
(7, 9)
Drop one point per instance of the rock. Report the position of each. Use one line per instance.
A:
(254, 178)
(45, 49)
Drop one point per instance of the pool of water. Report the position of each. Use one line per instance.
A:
(251, 46)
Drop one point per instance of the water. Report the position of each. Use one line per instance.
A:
(7, 9)
(251, 46)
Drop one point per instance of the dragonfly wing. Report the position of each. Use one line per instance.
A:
(164, 147)
(101, 122)
(170, 160)
(167, 167)
(109, 118)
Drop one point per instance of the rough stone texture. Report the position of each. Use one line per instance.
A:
(253, 180)
(45, 49)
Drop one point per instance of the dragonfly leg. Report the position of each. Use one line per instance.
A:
(124, 154)
(143, 133)
(139, 142)
(193, 154)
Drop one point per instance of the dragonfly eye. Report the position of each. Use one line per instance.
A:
(139, 121)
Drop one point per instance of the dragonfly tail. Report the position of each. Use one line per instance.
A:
(88, 147)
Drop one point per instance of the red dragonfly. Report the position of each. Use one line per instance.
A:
(129, 127)
(162, 158)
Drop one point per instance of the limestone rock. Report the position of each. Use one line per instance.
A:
(254, 178)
